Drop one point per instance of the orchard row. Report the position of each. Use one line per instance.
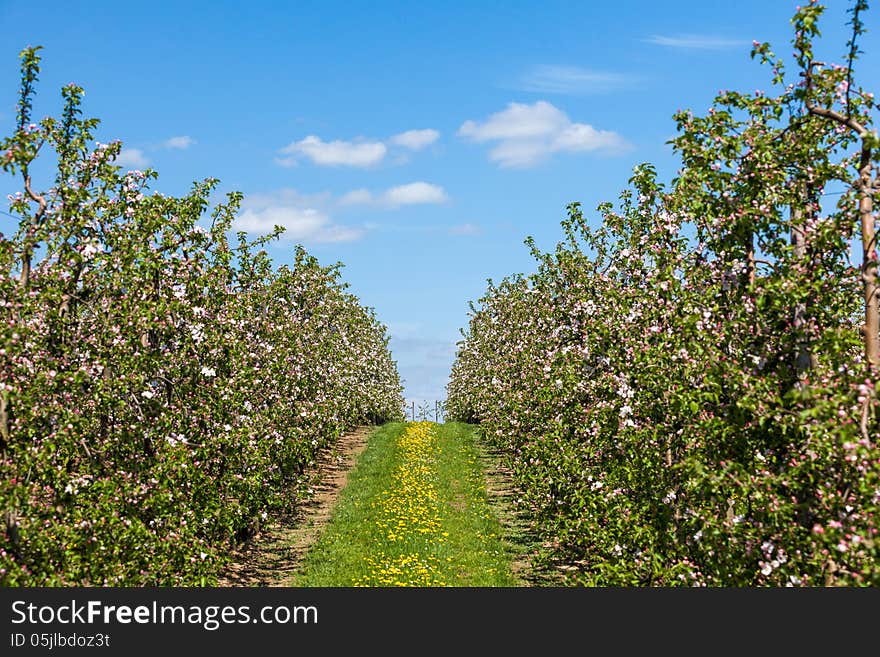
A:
(687, 393)
(161, 389)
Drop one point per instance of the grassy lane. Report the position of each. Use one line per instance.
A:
(414, 513)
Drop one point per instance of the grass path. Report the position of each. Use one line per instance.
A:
(415, 512)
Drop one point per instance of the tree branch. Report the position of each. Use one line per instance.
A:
(24, 281)
(837, 117)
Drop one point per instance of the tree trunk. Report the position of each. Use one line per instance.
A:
(869, 259)
(804, 359)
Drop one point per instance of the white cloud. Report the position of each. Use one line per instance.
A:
(297, 222)
(571, 80)
(356, 197)
(416, 139)
(518, 121)
(334, 153)
(287, 208)
(132, 157)
(695, 42)
(286, 197)
(415, 193)
(465, 229)
(527, 134)
(300, 224)
(182, 143)
(583, 137)
(357, 153)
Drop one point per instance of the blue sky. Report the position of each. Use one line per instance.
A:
(418, 143)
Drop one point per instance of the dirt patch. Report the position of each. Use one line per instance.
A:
(519, 530)
(272, 557)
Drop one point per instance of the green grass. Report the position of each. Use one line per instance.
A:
(413, 513)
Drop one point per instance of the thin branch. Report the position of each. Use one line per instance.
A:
(765, 262)
(853, 48)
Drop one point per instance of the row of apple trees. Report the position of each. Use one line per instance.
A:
(687, 392)
(161, 388)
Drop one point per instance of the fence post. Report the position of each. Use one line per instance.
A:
(413, 411)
